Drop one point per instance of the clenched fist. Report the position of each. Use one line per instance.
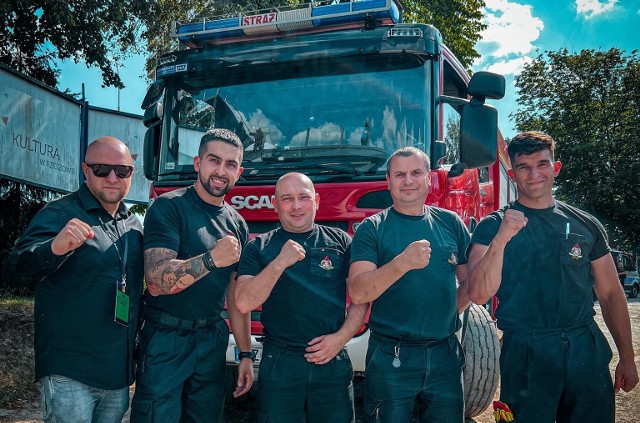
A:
(417, 254)
(226, 251)
(73, 235)
(291, 253)
(512, 223)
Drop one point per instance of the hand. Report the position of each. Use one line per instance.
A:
(417, 254)
(512, 223)
(626, 376)
(73, 235)
(245, 377)
(226, 251)
(291, 253)
(323, 349)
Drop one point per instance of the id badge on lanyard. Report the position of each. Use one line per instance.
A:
(121, 313)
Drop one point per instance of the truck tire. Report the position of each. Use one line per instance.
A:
(633, 293)
(482, 353)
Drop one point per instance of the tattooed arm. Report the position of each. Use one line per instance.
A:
(166, 275)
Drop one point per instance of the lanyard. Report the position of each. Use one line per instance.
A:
(122, 284)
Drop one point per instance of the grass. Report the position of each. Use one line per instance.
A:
(17, 372)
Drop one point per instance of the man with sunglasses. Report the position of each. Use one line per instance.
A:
(83, 254)
(192, 243)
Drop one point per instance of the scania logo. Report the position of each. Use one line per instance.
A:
(251, 202)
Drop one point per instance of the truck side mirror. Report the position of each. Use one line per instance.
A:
(478, 135)
(479, 121)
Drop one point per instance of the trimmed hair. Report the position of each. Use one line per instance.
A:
(408, 152)
(530, 142)
(219, 134)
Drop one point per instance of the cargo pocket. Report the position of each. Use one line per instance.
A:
(371, 410)
(142, 410)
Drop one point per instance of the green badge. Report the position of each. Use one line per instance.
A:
(122, 308)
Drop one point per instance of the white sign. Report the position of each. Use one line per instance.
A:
(39, 134)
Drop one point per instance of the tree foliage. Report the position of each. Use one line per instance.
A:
(459, 22)
(99, 32)
(18, 204)
(590, 103)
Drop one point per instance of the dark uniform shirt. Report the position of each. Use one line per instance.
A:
(309, 299)
(421, 305)
(181, 221)
(75, 332)
(546, 269)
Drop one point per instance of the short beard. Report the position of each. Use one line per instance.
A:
(214, 191)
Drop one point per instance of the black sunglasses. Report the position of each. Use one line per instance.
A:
(103, 170)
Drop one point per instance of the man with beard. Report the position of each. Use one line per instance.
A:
(192, 243)
(83, 254)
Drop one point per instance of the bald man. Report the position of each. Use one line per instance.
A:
(298, 273)
(83, 254)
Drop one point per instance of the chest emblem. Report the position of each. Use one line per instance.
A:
(453, 260)
(326, 263)
(576, 252)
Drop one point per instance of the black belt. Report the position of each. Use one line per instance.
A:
(418, 343)
(166, 319)
(286, 348)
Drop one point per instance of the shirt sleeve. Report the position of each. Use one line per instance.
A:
(364, 246)
(462, 235)
(162, 225)
(249, 263)
(486, 230)
(601, 243)
(32, 259)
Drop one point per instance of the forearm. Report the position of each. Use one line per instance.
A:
(240, 322)
(166, 275)
(616, 316)
(253, 291)
(353, 322)
(485, 273)
(462, 296)
(365, 287)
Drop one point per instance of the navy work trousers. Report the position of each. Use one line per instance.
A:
(430, 375)
(292, 390)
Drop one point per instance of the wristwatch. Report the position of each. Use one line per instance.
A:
(247, 354)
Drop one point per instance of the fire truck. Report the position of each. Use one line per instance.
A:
(332, 90)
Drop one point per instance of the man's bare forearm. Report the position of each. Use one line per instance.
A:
(166, 275)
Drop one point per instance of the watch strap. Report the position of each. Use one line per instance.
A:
(247, 354)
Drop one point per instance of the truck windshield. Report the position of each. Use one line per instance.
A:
(340, 124)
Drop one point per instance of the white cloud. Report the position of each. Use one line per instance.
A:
(509, 66)
(593, 8)
(512, 30)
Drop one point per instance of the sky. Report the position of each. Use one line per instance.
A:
(517, 32)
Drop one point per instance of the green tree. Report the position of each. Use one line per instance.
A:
(590, 103)
(459, 22)
(99, 32)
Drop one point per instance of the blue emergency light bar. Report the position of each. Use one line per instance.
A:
(305, 17)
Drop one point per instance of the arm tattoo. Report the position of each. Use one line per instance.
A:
(166, 275)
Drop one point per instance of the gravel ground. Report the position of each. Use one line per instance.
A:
(627, 404)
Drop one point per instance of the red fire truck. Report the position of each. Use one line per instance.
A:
(331, 90)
